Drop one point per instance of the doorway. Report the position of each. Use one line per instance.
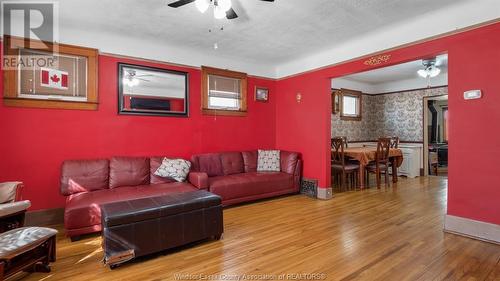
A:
(394, 102)
(435, 124)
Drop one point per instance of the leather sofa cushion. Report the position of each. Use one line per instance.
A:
(209, 163)
(248, 184)
(250, 161)
(288, 161)
(150, 208)
(154, 163)
(128, 171)
(84, 175)
(232, 163)
(83, 209)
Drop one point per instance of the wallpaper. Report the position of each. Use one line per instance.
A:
(395, 114)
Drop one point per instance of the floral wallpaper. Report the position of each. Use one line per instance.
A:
(395, 114)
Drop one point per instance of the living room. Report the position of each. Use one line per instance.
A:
(276, 98)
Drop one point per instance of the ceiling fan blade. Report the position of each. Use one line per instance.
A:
(231, 14)
(267, 0)
(179, 3)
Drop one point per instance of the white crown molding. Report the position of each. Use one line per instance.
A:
(471, 228)
(462, 15)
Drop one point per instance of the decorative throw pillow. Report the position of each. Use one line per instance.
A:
(177, 169)
(268, 161)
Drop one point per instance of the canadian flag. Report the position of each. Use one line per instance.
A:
(53, 78)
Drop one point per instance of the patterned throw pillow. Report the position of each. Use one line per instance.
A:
(177, 169)
(268, 161)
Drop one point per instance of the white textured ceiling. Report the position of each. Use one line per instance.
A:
(265, 32)
(269, 39)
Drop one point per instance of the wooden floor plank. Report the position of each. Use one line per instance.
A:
(388, 234)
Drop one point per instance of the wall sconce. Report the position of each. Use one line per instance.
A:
(298, 97)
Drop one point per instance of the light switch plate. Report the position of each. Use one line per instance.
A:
(473, 94)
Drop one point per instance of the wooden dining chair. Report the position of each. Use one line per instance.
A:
(344, 140)
(381, 163)
(395, 142)
(342, 168)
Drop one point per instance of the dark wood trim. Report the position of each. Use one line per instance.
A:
(45, 217)
(411, 90)
(401, 141)
(403, 91)
(205, 72)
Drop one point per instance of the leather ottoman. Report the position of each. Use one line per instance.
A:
(144, 226)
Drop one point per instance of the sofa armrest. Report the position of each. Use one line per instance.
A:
(297, 174)
(11, 191)
(12, 208)
(199, 180)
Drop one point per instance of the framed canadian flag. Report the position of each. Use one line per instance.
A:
(35, 77)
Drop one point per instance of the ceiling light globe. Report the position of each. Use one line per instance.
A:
(219, 13)
(422, 73)
(434, 71)
(202, 5)
(225, 5)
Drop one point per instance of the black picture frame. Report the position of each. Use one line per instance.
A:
(145, 104)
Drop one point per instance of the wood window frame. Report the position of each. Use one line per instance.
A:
(10, 96)
(351, 93)
(205, 72)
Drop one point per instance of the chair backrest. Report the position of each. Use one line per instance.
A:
(338, 151)
(383, 146)
(344, 139)
(394, 142)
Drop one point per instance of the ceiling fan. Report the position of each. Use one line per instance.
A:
(222, 8)
(131, 78)
(430, 68)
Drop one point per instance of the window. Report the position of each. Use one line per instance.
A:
(350, 105)
(224, 92)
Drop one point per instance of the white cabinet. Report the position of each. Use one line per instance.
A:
(411, 163)
(412, 159)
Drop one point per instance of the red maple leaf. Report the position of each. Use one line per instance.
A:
(54, 78)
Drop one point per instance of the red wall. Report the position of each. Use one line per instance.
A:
(474, 63)
(34, 142)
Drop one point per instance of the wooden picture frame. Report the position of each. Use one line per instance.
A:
(261, 94)
(13, 95)
(336, 94)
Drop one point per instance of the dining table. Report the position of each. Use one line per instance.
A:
(365, 155)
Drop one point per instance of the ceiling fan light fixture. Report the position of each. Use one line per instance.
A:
(430, 69)
(219, 13)
(202, 5)
(131, 82)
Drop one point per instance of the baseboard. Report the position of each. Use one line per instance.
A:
(325, 193)
(45, 217)
(484, 231)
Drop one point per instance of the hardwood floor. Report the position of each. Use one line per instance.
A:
(387, 234)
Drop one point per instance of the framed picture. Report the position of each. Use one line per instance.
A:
(336, 94)
(66, 79)
(146, 90)
(261, 94)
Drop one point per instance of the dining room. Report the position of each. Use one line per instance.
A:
(380, 124)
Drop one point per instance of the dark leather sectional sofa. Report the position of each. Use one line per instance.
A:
(232, 175)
